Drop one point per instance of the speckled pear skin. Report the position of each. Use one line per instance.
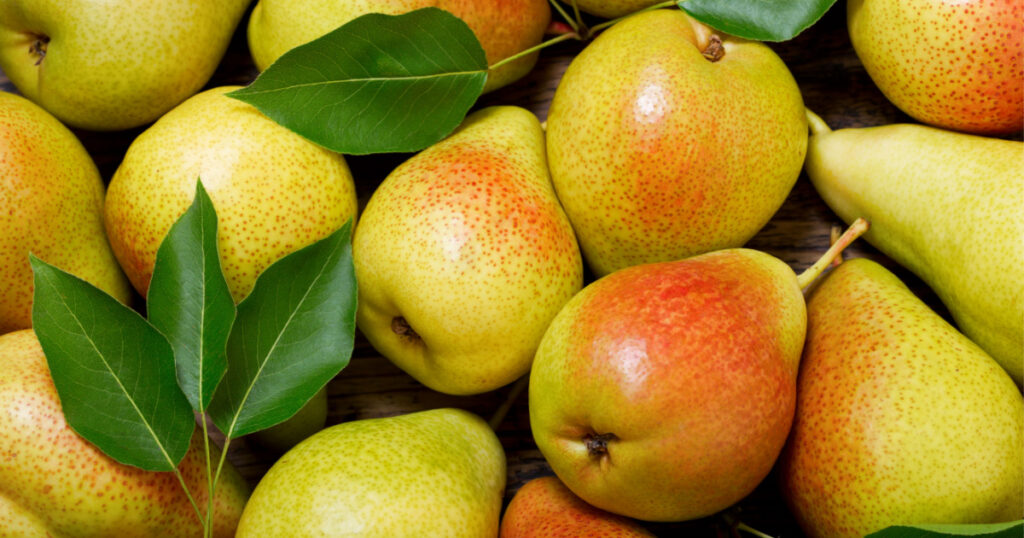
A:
(545, 508)
(948, 207)
(900, 419)
(54, 483)
(957, 65)
(431, 473)
(503, 27)
(51, 204)
(114, 65)
(657, 153)
(610, 9)
(274, 191)
(690, 366)
(468, 246)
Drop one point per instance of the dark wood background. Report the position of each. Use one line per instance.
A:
(833, 83)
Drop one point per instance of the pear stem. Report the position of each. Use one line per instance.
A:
(817, 125)
(520, 54)
(568, 20)
(513, 395)
(834, 234)
(598, 27)
(748, 529)
(855, 230)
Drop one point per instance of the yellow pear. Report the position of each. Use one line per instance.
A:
(51, 204)
(432, 473)
(463, 256)
(611, 9)
(667, 140)
(53, 483)
(503, 28)
(113, 64)
(274, 191)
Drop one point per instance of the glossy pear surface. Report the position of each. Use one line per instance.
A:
(54, 483)
(113, 64)
(658, 153)
(463, 256)
(274, 191)
(432, 473)
(945, 205)
(957, 65)
(503, 28)
(51, 204)
(545, 508)
(665, 391)
(900, 418)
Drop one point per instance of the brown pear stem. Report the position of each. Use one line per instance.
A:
(834, 234)
(855, 230)
(513, 395)
(817, 125)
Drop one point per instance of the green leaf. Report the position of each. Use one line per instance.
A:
(189, 300)
(761, 20)
(113, 371)
(294, 332)
(1012, 529)
(380, 83)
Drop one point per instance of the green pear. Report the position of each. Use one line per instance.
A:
(274, 191)
(53, 483)
(503, 28)
(113, 64)
(900, 418)
(431, 473)
(945, 205)
(957, 65)
(611, 9)
(544, 507)
(667, 139)
(463, 256)
(51, 204)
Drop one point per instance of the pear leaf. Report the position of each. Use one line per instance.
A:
(377, 84)
(189, 300)
(114, 373)
(1011, 529)
(293, 333)
(761, 20)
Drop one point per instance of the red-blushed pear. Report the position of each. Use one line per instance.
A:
(51, 204)
(957, 65)
(665, 391)
(900, 418)
(545, 508)
(503, 27)
(667, 139)
(54, 483)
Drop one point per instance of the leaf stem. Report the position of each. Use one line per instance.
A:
(208, 527)
(188, 494)
(520, 54)
(748, 529)
(220, 463)
(513, 395)
(598, 27)
(573, 23)
(855, 230)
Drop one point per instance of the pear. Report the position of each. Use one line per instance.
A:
(957, 65)
(54, 483)
(665, 391)
(51, 204)
(431, 473)
(503, 28)
(611, 9)
(274, 191)
(667, 139)
(900, 418)
(114, 64)
(463, 256)
(945, 205)
(544, 507)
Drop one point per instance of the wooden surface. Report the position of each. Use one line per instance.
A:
(833, 84)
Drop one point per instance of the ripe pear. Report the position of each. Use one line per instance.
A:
(665, 391)
(51, 204)
(611, 9)
(945, 205)
(431, 473)
(667, 139)
(900, 418)
(957, 65)
(114, 64)
(463, 256)
(503, 28)
(544, 507)
(274, 191)
(54, 483)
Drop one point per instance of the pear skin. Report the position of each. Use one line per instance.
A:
(54, 483)
(51, 204)
(900, 418)
(545, 508)
(945, 205)
(463, 256)
(611, 9)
